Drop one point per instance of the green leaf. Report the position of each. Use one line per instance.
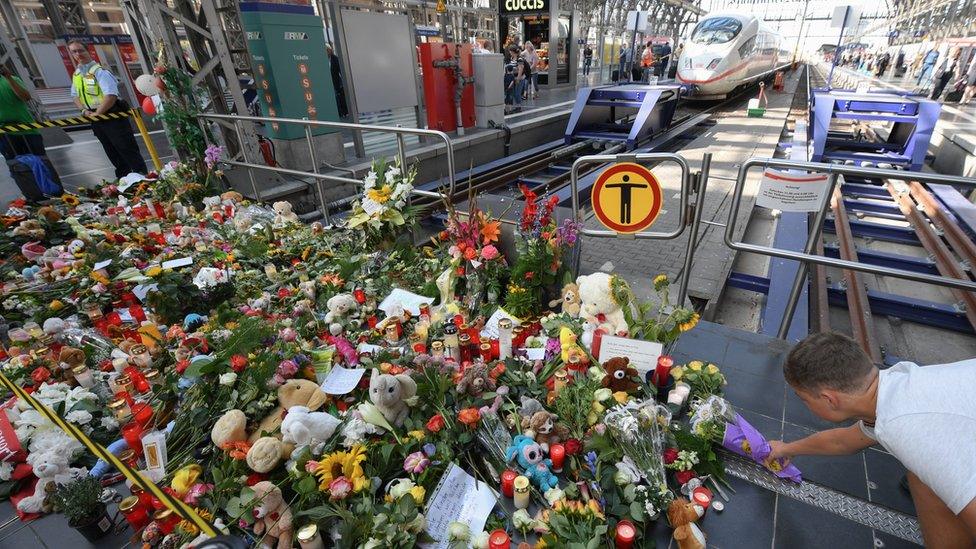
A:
(307, 486)
(196, 368)
(637, 511)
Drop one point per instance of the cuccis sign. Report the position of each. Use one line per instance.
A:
(522, 6)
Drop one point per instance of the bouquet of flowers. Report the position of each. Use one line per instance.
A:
(472, 239)
(382, 210)
(637, 428)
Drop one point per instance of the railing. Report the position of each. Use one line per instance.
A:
(686, 216)
(316, 174)
(807, 257)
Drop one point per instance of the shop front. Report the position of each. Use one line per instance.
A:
(550, 29)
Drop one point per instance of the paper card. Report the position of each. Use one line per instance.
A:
(154, 228)
(369, 348)
(790, 192)
(101, 264)
(458, 497)
(176, 263)
(491, 326)
(142, 290)
(643, 355)
(535, 353)
(408, 300)
(341, 381)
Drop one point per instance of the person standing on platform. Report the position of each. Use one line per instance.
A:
(624, 58)
(925, 416)
(532, 58)
(949, 72)
(13, 110)
(928, 63)
(96, 91)
(587, 59)
(970, 77)
(647, 63)
(673, 65)
(663, 57)
(340, 91)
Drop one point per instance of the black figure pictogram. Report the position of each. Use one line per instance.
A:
(625, 197)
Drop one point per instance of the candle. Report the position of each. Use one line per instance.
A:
(120, 409)
(136, 515)
(663, 370)
(142, 413)
(494, 349)
(625, 534)
(464, 343)
(518, 336)
(458, 320)
(167, 520)
(561, 379)
(425, 310)
(154, 378)
(417, 344)
(132, 433)
(508, 483)
(521, 486)
(504, 338)
(139, 356)
(557, 453)
(437, 349)
(145, 499)
(129, 458)
(309, 537)
(499, 540)
(451, 341)
(485, 350)
(392, 334)
(702, 496)
(83, 376)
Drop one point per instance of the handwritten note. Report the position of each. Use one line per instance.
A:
(408, 300)
(341, 381)
(459, 497)
(643, 355)
(176, 263)
(491, 326)
(534, 353)
(101, 264)
(142, 290)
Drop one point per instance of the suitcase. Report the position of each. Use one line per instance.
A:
(23, 176)
(615, 75)
(953, 96)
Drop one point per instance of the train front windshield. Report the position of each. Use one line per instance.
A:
(718, 30)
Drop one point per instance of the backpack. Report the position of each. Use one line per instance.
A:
(526, 69)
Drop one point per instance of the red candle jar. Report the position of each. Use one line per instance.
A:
(129, 458)
(485, 351)
(135, 514)
(132, 433)
(137, 312)
(557, 453)
(142, 413)
(156, 503)
(499, 539)
(495, 352)
(475, 333)
(508, 483)
(359, 295)
(625, 534)
(458, 320)
(114, 319)
(167, 521)
(663, 370)
(702, 496)
(145, 498)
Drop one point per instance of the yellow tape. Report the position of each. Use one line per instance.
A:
(173, 503)
(73, 121)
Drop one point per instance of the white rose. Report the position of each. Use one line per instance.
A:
(401, 488)
(480, 540)
(521, 520)
(78, 417)
(228, 379)
(459, 531)
(109, 423)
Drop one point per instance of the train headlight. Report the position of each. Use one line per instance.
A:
(714, 63)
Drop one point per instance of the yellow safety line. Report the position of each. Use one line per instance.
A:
(177, 506)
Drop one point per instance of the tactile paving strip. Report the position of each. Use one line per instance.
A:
(863, 512)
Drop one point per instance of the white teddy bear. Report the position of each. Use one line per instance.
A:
(598, 305)
(341, 307)
(283, 214)
(303, 427)
(52, 465)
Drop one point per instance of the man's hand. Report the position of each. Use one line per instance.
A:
(5, 70)
(780, 450)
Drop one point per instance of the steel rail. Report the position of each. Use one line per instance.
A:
(958, 239)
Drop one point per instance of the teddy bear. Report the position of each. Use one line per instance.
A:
(570, 300)
(230, 427)
(619, 376)
(49, 213)
(392, 395)
(272, 515)
(531, 458)
(31, 229)
(211, 204)
(475, 380)
(264, 453)
(50, 466)
(340, 307)
(305, 428)
(682, 516)
(597, 302)
(243, 222)
(54, 327)
(76, 248)
(542, 428)
(294, 392)
(283, 214)
(231, 197)
(308, 289)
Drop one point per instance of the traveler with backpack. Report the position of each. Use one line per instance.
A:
(24, 149)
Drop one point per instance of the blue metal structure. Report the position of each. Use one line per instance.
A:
(598, 110)
(913, 119)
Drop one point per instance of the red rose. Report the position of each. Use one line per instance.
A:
(469, 416)
(40, 375)
(572, 446)
(670, 455)
(435, 423)
(684, 476)
(255, 478)
(238, 362)
(283, 293)
(182, 365)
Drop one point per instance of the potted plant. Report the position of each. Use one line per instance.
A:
(81, 503)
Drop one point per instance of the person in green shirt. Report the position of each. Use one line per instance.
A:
(13, 110)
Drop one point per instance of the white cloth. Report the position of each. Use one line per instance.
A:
(926, 417)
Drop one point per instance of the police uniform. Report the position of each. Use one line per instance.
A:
(90, 84)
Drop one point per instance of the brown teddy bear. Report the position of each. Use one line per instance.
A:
(619, 375)
(475, 381)
(682, 516)
(295, 392)
(569, 299)
(543, 429)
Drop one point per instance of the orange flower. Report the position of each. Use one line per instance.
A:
(469, 416)
(237, 449)
(470, 253)
(490, 231)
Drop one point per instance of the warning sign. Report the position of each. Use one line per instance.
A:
(791, 192)
(626, 198)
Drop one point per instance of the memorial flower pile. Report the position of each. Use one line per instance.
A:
(299, 382)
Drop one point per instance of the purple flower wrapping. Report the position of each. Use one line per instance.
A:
(743, 439)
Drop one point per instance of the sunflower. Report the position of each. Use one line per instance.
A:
(690, 323)
(70, 199)
(380, 195)
(191, 528)
(660, 282)
(343, 464)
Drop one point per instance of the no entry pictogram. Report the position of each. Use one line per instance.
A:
(626, 198)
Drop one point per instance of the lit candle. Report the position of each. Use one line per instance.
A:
(464, 342)
(504, 338)
(557, 453)
(437, 349)
(521, 486)
(83, 376)
(485, 350)
(392, 334)
(132, 433)
(417, 344)
(625, 534)
(702, 496)
(663, 370)
(136, 515)
(120, 409)
(167, 521)
(309, 537)
(508, 483)
(451, 341)
(499, 540)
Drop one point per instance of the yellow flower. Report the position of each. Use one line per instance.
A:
(56, 305)
(419, 435)
(70, 199)
(190, 527)
(711, 369)
(660, 281)
(231, 325)
(343, 464)
(695, 365)
(691, 323)
(676, 373)
(154, 271)
(418, 493)
(185, 478)
(99, 277)
(380, 195)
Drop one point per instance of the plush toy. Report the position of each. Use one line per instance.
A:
(568, 346)
(272, 515)
(283, 214)
(570, 300)
(230, 427)
(54, 326)
(543, 429)
(597, 302)
(340, 307)
(243, 222)
(232, 197)
(50, 466)
(49, 213)
(530, 457)
(76, 248)
(31, 229)
(682, 516)
(308, 289)
(265, 454)
(295, 392)
(211, 204)
(303, 427)
(619, 375)
(392, 395)
(475, 380)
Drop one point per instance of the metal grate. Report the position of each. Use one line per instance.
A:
(863, 512)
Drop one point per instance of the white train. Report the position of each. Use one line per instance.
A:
(726, 51)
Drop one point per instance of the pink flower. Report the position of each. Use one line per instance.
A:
(311, 466)
(339, 488)
(287, 368)
(195, 492)
(416, 463)
(288, 334)
(489, 252)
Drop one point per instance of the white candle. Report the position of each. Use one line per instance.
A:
(504, 338)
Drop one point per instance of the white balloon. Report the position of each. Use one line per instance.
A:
(146, 84)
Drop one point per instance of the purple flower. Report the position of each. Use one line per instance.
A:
(429, 449)
(591, 461)
(553, 348)
(212, 155)
(416, 463)
(568, 231)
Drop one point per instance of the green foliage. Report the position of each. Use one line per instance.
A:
(80, 501)
(180, 116)
(573, 405)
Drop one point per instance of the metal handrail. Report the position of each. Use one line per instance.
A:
(399, 131)
(834, 170)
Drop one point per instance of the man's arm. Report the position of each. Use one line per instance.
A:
(833, 442)
(16, 85)
(107, 103)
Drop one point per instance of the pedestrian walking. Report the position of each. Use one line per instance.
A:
(532, 58)
(928, 63)
(337, 85)
(970, 76)
(675, 57)
(949, 71)
(647, 63)
(96, 91)
(663, 58)
(587, 59)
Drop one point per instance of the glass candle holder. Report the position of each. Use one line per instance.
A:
(485, 351)
(392, 333)
(508, 483)
(625, 535)
(120, 409)
(132, 433)
(464, 343)
(83, 376)
(498, 539)
(417, 344)
(309, 538)
(521, 487)
(167, 521)
(154, 378)
(130, 458)
(505, 338)
(437, 349)
(451, 341)
(135, 514)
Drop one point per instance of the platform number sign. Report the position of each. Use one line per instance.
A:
(626, 198)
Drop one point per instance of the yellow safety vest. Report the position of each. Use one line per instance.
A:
(87, 85)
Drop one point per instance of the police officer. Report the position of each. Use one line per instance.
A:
(96, 91)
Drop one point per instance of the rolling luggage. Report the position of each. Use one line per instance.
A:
(25, 175)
